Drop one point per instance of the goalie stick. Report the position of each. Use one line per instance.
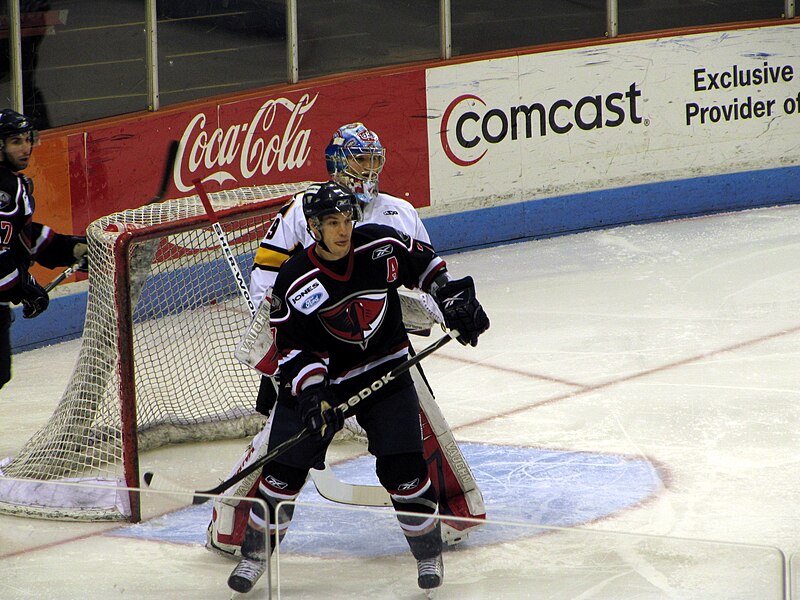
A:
(326, 483)
(202, 496)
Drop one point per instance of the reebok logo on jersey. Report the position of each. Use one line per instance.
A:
(410, 485)
(276, 483)
(391, 213)
(308, 298)
(381, 252)
(356, 318)
(5, 200)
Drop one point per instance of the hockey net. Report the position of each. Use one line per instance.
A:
(156, 364)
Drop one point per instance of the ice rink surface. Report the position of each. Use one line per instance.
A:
(632, 417)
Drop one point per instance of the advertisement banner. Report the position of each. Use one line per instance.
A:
(256, 140)
(544, 125)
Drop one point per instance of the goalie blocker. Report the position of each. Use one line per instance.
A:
(457, 490)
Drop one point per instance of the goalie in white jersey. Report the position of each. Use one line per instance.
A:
(354, 159)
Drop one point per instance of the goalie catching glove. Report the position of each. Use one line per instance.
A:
(461, 309)
(321, 418)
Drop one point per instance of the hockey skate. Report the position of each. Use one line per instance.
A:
(430, 573)
(245, 575)
(254, 558)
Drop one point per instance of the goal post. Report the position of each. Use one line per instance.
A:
(156, 363)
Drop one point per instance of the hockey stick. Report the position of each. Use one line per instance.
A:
(327, 485)
(68, 272)
(202, 496)
(241, 285)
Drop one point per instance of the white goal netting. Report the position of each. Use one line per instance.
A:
(156, 363)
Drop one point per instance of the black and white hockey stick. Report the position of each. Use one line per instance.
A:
(68, 272)
(241, 284)
(326, 483)
(202, 496)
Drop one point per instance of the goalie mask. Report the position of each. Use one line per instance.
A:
(354, 159)
(328, 198)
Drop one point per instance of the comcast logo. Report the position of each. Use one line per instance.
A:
(470, 126)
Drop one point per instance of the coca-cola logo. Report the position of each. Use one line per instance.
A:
(273, 139)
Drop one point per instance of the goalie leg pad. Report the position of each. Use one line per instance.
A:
(457, 491)
(229, 515)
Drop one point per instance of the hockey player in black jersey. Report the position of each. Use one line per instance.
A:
(354, 159)
(338, 327)
(23, 241)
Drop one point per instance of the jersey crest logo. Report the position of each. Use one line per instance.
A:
(5, 200)
(381, 252)
(355, 319)
(308, 298)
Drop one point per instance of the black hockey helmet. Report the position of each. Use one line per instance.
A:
(327, 198)
(13, 123)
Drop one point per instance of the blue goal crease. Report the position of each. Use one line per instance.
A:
(530, 486)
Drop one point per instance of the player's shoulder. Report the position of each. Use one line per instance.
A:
(374, 230)
(385, 203)
(294, 266)
(9, 180)
(9, 186)
(370, 232)
(293, 206)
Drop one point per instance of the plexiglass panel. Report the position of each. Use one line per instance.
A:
(485, 26)
(162, 557)
(347, 35)
(647, 15)
(219, 47)
(83, 60)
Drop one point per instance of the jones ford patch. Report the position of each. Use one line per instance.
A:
(309, 297)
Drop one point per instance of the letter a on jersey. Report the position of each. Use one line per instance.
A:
(356, 318)
(391, 269)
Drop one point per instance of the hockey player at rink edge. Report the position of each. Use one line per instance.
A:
(336, 317)
(354, 159)
(24, 241)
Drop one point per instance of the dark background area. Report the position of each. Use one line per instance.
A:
(85, 59)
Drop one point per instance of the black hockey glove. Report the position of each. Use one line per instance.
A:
(461, 309)
(33, 297)
(316, 409)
